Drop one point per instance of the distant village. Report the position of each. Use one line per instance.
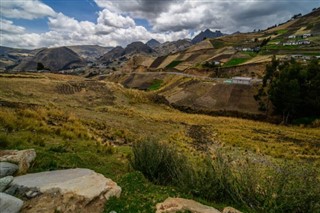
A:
(298, 42)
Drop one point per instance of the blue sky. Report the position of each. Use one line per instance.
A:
(47, 23)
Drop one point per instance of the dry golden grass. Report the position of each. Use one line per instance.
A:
(130, 116)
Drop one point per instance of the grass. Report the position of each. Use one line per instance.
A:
(173, 64)
(283, 31)
(156, 84)
(217, 44)
(235, 61)
(262, 187)
(67, 131)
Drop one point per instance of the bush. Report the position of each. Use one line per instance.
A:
(4, 141)
(159, 162)
(286, 188)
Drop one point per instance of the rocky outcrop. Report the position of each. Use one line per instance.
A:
(72, 190)
(206, 34)
(9, 204)
(23, 158)
(7, 169)
(172, 205)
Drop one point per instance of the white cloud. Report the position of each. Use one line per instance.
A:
(169, 19)
(7, 27)
(227, 15)
(25, 9)
(111, 19)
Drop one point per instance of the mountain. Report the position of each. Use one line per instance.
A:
(153, 43)
(173, 47)
(206, 34)
(113, 54)
(90, 52)
(246, 54)
(53, 59)
(137, 47)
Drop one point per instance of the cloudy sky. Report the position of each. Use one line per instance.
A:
(47, 23)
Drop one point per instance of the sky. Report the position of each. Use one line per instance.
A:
(33, 24)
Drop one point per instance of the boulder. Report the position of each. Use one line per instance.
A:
(7, 169)
(172, 205)
(10, 204)
(72, 190)
(23, 158)
(230, 210)
(4, 182)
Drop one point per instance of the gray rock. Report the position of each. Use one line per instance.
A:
(4, 182)
(11, 190)
(10, 204)
(7, 169)
(71, 190)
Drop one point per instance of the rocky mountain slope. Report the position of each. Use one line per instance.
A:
(206, 34)
(53, 59)
(153, 43)
(90, 52)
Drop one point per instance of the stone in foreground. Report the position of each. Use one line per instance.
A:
(7, 169)
(4, 182)
(72, 190)
(230, 210)
(9, 204)
(172, 205)
(23, 158)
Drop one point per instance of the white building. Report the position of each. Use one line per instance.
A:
(241, 80)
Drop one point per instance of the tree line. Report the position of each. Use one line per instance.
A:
(291, 89)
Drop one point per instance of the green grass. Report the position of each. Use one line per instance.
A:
(235, 61)
(283, 31)
(251, 54)
(173, 64)
(156, 84)
(258, 186)
(281, 47)
(217, 44)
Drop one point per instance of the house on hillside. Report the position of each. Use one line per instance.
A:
(241, 80)
(306, 35)
(292, 36)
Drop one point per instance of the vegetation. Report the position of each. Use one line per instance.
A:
(156, 84)
(86, 128)
(173, 64)
(235, 61)
(293, 89)
(263, 188)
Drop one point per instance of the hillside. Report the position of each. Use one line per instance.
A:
(75, 122)
(191, 94)
(90, 52)
(246, 52)
(53, 59)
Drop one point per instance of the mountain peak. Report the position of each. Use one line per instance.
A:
(153, 43)
(206, 34)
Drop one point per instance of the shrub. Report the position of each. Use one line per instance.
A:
(273, 188)
(4, 141)
(159, 162)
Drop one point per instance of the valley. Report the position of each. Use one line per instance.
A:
(222, 119)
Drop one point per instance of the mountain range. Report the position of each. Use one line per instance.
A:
(250, 50)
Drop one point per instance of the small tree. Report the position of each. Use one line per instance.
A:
(40, 66)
